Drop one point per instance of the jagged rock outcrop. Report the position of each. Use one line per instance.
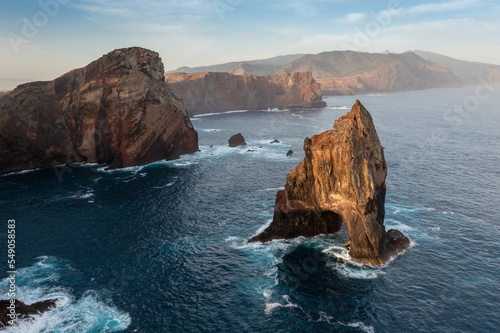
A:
(342, 178)
(22, 310)
(236, 140)
(214, 92)
(118, 108)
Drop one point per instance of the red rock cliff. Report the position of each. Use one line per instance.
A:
(342, 178)
(207, 92)
(117, 108)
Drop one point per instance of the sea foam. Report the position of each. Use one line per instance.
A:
(89, 313)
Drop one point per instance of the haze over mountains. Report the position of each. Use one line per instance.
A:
(350, 72)
(469, 72)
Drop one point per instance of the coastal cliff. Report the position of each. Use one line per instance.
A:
(209, 92)
(341, 179)
(115, 110)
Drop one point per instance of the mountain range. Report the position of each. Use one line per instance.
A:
(469, 72)
(351, 72)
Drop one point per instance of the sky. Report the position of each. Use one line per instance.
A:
(42, 39)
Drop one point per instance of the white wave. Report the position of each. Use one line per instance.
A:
(348, 267)
(362, 326)
(287, 304)
(184, 164)
(87, 314)
(262, 228)
(218, 113)
(166, 185)
(330, 320)
(132, 169)
(395, 224)
(273, 189)
(267, 293)
(40, 282)
(20, 172)
(211, 130)
(87, 195)
(275, 110)
(236, 111)
(338, 107)
(396, 209)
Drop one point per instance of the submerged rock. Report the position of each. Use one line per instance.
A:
(22, 310)
(289, 153)
(342, 178)
(275, 141)
(118, 108)
(236, 140)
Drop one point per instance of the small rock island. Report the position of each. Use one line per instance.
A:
(341, 179)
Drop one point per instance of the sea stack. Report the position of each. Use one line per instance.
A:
(236, 140)
(341, 179)
(116, 109)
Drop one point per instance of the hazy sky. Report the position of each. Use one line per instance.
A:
(42, 39)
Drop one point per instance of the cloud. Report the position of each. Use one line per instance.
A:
(113, 11)
(151, 10)
(324, 41)
(352, 18)
(440, 7)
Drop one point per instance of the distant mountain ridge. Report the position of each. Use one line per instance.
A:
(349, 72)
(251, 67)
(469, 72)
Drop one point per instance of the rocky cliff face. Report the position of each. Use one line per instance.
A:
(215, 92)
(342, 178)
(116, 108)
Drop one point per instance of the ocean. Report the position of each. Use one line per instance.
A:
(162, 247)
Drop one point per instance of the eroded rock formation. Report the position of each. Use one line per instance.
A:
(118, 108)
(214, 92)
(342, 178)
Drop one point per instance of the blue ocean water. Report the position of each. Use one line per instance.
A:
(162, 248)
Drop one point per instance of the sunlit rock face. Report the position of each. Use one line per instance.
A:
(116, 109)
(341, 179)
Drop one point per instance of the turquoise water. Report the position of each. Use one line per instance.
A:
(162, 248)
